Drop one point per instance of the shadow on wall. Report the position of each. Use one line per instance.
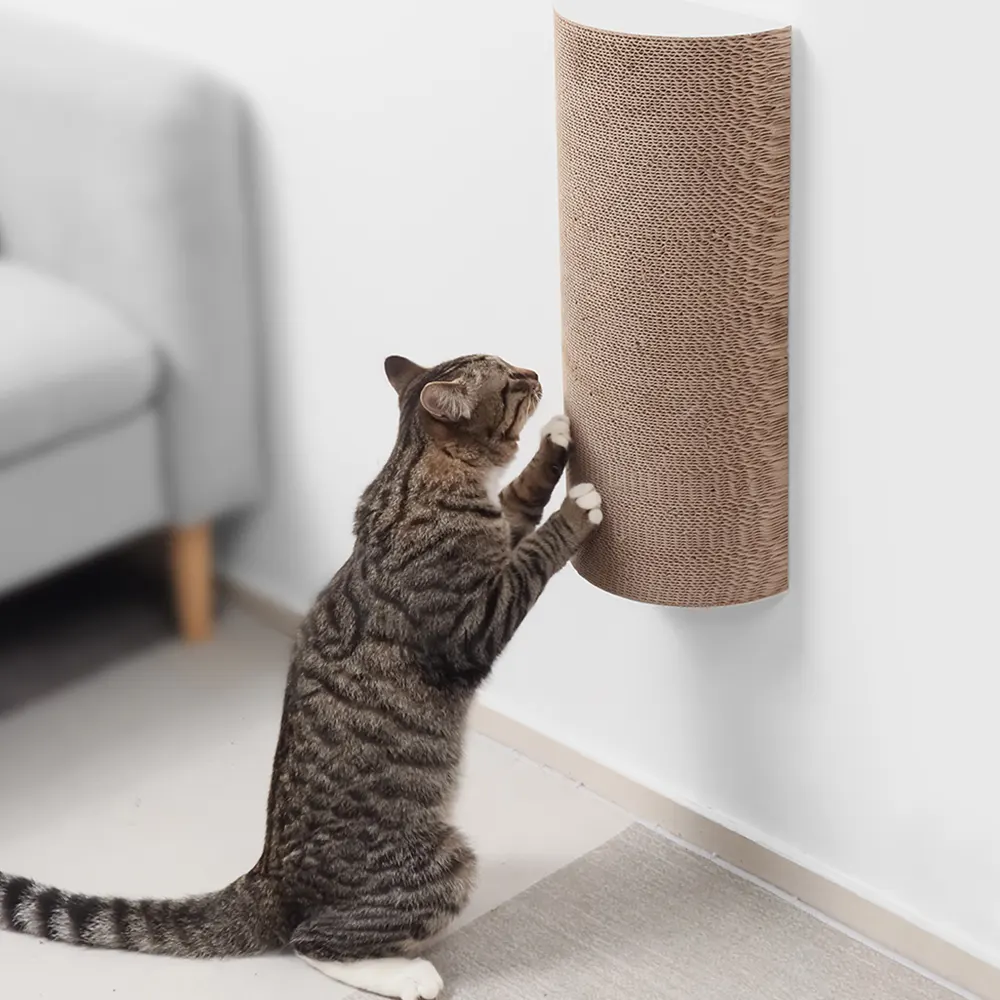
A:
(263, 239)
(746, 662)
(248, 539)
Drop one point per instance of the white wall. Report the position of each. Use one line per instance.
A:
(411, 178)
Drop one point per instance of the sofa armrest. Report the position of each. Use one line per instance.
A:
(125, 173)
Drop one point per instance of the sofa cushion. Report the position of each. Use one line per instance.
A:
(68, 364)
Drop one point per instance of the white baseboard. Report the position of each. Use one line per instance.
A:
(899, 936)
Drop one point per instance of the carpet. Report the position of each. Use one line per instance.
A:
(642, 918)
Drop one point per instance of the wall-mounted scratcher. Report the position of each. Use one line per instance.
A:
(673, 200)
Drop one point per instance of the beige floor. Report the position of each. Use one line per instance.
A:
(131, 764)
(148, 775)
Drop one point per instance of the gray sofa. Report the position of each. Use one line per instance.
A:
(127, 322)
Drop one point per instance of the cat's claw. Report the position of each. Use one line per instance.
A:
(586, 497)
(557, 431)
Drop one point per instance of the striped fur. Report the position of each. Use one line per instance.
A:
(239, 920)
(360, 860)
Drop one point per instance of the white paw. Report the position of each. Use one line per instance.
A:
(557, 431)
(419, 981)
(587, 498)
(397, 978)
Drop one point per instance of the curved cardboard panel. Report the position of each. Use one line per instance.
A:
(674, 200)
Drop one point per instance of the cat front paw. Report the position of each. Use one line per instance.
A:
(586, 497)
(557, 431)
(582, 507)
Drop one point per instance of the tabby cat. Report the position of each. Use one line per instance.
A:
(361, 867)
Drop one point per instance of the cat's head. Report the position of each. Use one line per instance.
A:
(479, 402)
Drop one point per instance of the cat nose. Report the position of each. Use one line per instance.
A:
(526, 373)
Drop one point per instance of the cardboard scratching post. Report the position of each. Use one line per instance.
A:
(673, 200)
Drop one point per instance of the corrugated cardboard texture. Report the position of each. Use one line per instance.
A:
(673, 199)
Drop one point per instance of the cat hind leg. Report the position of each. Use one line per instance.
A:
(374, 945)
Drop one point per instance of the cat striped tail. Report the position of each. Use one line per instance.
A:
(237, 920)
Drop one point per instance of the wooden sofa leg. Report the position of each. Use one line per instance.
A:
(192, 571)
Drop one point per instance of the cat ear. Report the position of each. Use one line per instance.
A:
(401, 372)
(447, 401)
